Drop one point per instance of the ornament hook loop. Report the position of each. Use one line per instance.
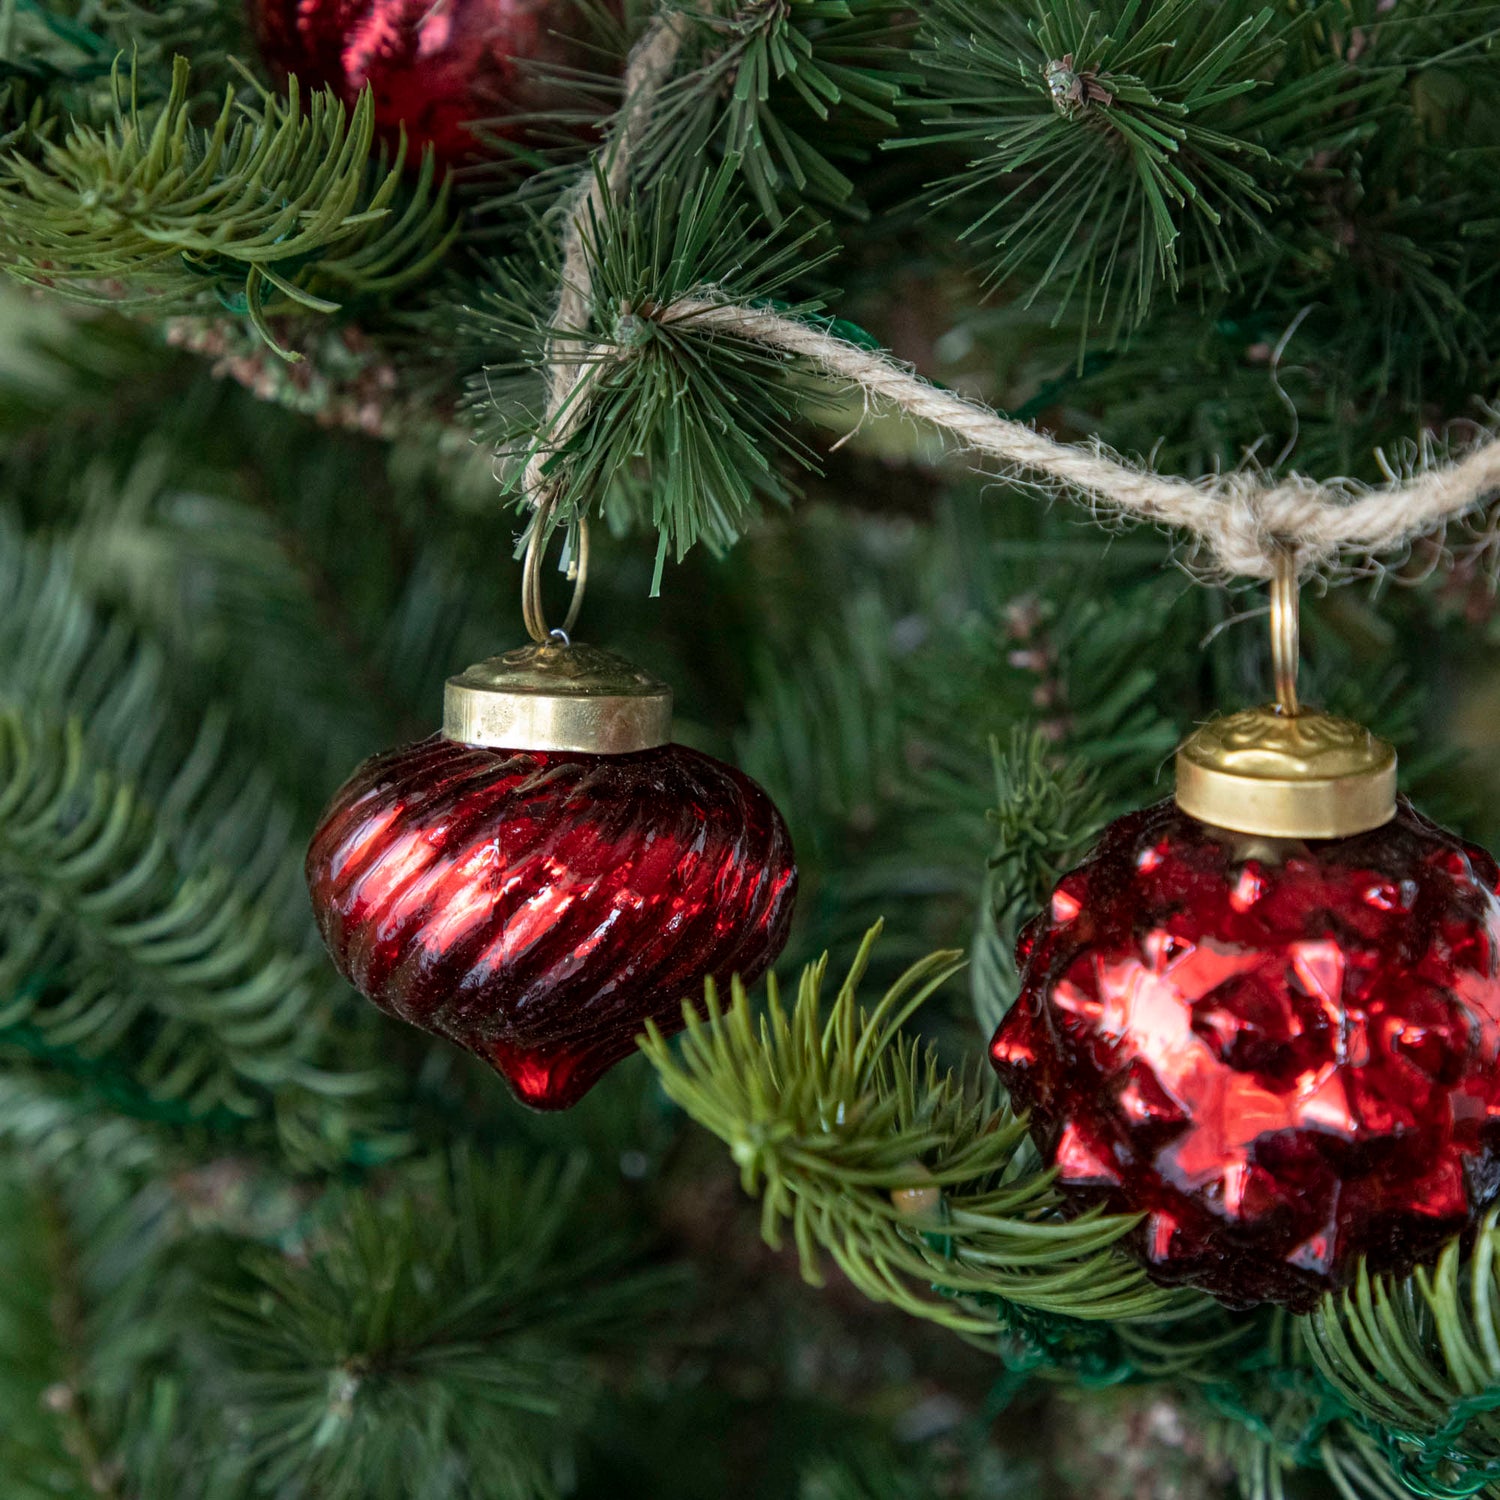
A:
(1283, 771)
(1286, 629)
(532, 612)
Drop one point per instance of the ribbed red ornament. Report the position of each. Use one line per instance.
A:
(435, 66)
(538, 907)
(1282, 1053)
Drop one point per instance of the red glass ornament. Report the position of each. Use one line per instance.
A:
(538, 907)
(1282, 1053)
(435, 66)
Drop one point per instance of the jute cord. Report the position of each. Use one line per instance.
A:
(1242, 520)
(650, 65)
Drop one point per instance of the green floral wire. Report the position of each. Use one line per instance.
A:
(1416, 1458)
(1092, 1356)
(1034, 1342)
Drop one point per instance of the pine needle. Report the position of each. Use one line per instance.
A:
(262, 209)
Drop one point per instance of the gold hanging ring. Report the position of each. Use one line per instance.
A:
(532, 612)
(1285, 630)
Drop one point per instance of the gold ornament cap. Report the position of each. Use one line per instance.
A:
(1307, 775)
(1285, 771)
(558, 695)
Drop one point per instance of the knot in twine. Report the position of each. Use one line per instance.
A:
(1240, 521)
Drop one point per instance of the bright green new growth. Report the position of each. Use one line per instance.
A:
(263, 210)
(827, 1118)
(922, 1188)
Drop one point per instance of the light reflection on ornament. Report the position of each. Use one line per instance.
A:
(434, 67)
(1280, 1072)
(538, 907)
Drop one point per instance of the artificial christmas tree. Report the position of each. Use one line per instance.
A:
(275, 410)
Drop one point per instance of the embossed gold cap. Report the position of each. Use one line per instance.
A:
(1304, 775)
(1285, 771)
(558, 695)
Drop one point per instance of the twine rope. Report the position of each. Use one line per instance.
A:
(1242, 521)
(649, 66)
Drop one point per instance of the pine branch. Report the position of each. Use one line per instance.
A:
(1389, 1386)
(781, 90)
(912, 653)
(260, 209)
(438, 1331)
(557, 115)
(59, 657)
(707, 417)
(196, 596)
(109, 947)
(840, 732)
(117, 1271)
(906, 1176)
(76, 46)
(1046, 814)
(155, 29)
(67, 1397)
(873, 1475)
(1119, 151)
(47, 1449)
(1418, 1361)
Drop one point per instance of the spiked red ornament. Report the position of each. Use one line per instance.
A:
(434, 66)
(539, 906)
(1284, 1053)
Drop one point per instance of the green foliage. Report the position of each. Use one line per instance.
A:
(1047, 811)
(836, 1122)
(1418, 1360)
(433, 1341)
(1116, 148)
(59, 657)
(530, 156)
(886, 813)
(781, 91)
(879, 703)
(1260, 157)
(75, 45)
(1349, 1459)
(827, 731)
(904, 1174)
(705, 415)
(54, 1121)
(444, 1333)
(1351, 314)
(111, 948)
(40, 1406)
(259, 208)
(877, 1473)
(212, 611)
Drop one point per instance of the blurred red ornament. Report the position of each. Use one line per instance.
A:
(537, 907)
(1282, 1052)
(435, 66)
